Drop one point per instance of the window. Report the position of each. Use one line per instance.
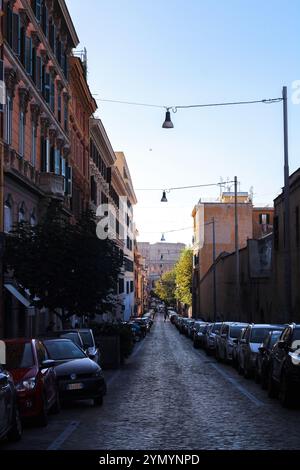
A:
(121, 285)
(33, 144)
(127, 287)
(41, 353)
(131, 286)
(57, 162)
(21, 214)
(45, 20)
(33, 218)
(63, 172)
(2, 86)
(37, 8)
(8, 119)
(59, 108)
(16, 34)
(21, 133)
(52, 159)
(8, 217)
(38, 73)
(52, 94)
(28, 55)
(264, 219)
(66, 117)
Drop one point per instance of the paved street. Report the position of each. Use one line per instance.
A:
(171, 396)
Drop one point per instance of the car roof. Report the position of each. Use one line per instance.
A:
(56, 340)
(20, 340)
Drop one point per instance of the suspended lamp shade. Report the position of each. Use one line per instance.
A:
(163, 238)
(168, 124)
(164, 197)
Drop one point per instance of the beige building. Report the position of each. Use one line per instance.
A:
(159, 257)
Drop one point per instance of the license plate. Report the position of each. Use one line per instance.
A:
(77, 386)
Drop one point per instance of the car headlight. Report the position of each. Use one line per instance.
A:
(26, 385)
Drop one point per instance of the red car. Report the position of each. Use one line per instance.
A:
(34, 377)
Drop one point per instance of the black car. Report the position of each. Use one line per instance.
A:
(10, 422)
(78, 376)
(263, 357)
(199, 332)
(284, 374)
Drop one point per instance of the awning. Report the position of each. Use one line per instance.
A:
(14, 291)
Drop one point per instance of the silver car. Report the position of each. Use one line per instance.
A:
(225, 341)
(210, 342)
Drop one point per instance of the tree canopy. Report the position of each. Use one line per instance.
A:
(165, 288)
(64, 266)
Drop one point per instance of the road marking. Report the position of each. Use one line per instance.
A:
(234, 382)
(64, 435)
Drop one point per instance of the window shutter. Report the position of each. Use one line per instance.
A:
(38, 73)
(38, 9)
(52, 95)
(52, 159)
(33, 66)
(43, 154)
(57, 162)
(47, 88)
(9, 33)
(70, 180)
(16, 33)
(28, 55)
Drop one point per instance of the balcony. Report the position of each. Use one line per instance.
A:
(52, 185)
(15, 164)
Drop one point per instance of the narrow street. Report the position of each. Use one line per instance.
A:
(171, 396)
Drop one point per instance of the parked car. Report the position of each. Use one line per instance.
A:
(262, 366)
(138, 335)
(34, 376)
(236, 347)
(78, 376)
(210, 341)
(73, 335)
(225, 340)
(199, 334)
(249, 344)
(190, 327)
(10, 421)
(89, 344)
(142, 324)
(284, 371)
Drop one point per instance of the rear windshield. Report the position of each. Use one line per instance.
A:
(275, 337)
(216, 329)
(87, 339)
(259, 334)
(72, 336)
(235, 331)
(19, 356)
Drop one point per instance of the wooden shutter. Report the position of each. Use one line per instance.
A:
(28, 55)
(38, 73)
(16, 34)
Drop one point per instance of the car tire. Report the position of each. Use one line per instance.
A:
(286, 395)
(15, 433)
(98, 401)
(272, 389)
(42, 419)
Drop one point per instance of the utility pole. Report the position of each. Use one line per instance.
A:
(287, 236)
(237, 253)
(214, 270)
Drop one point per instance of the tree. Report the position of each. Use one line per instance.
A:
(64, 266)
(165, 288)
(184, 277)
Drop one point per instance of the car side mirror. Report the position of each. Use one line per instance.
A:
(47, 364)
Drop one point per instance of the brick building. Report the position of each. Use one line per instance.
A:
(38, 40)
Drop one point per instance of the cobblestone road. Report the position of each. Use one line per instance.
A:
(171, 396)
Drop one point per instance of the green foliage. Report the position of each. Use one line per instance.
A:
(184, 277)
(165, 288)
(65, 265)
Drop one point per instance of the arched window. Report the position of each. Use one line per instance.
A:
(33, 218)
(21, 214)
(8, 215)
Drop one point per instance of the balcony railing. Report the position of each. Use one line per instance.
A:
(52, 184)
(15, 163)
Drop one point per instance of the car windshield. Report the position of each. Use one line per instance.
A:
(258, 334)
(19, 356)
(216, 329)
(60, 350)
(87, 339)
(235, 331)
(274, 338)
(72, 336)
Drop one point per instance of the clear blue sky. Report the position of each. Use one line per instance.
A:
(185, 52)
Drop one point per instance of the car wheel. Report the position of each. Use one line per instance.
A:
(272, 389)
(286, 396)
(15, 433)
(98, 401)
(42, 419)
(57, 406)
